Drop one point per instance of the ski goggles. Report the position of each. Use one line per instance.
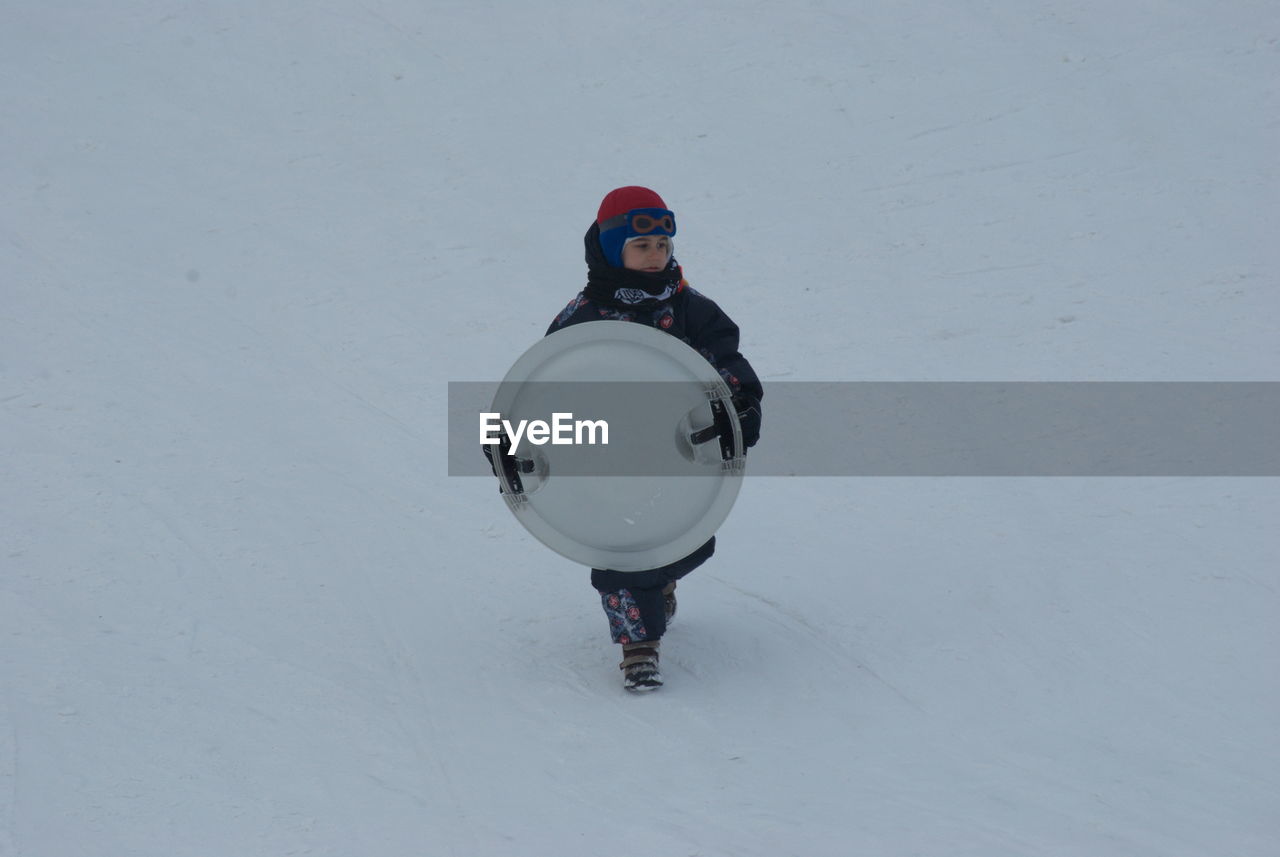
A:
(643, 222)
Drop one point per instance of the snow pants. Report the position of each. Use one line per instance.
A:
(633, 599)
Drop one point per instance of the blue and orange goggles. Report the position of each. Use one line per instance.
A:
(642, 221)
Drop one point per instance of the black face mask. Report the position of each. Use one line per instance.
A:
(623, 287)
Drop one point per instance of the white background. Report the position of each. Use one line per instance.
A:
(245, 245)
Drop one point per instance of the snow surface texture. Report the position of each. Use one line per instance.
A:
(245, 245)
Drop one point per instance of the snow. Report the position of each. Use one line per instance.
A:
(245, 247)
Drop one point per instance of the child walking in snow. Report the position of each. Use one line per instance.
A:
(632, 275)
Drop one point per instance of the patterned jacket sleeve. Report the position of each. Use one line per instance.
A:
(716, 336)
(573, 313)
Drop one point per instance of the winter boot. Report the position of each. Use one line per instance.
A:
(669, 601)
(640, 666)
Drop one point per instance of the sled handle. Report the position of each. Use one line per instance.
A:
(721, 427)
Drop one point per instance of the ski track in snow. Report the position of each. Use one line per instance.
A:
(793, 622)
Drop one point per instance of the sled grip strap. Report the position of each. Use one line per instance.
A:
(512, 466)
(720, 427)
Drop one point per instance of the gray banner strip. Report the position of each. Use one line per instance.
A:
(973, 429)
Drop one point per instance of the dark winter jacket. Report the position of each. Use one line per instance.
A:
(667, 302)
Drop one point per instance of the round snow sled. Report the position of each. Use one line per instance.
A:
(618, 445)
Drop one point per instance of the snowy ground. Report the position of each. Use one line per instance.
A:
(246, 245)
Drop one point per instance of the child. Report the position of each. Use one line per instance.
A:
(633, 276)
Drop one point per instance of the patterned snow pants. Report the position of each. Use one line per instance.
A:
(633, 599)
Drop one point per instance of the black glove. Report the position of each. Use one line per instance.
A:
(748, 408)
(487, 449)
(505, 465)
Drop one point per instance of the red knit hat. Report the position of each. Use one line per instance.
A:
(615, 219)
(626, 199)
